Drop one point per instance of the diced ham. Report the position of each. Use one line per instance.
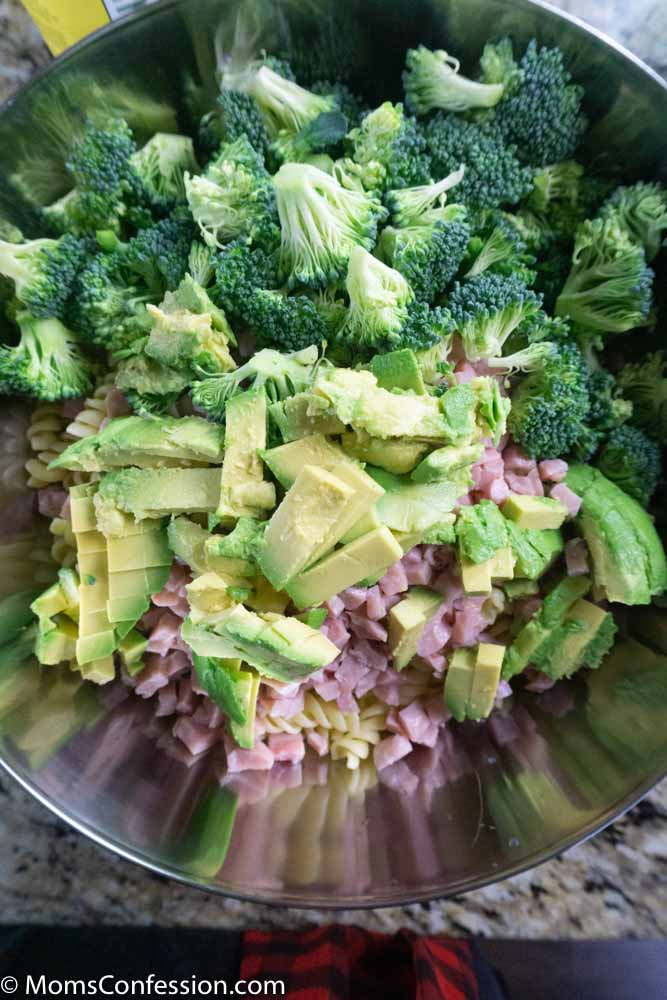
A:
(399, 777)
(434, 635)
(349, 671)
(553, 470)
(259, 758)
(464, 372)
(528, 485)
(159, 670)
(417, 725)
(419, 574)
(335, 606)
(516, 460)
(287, 747)
(566, 496)
(196, 738)
(71, 408)
(503, 691)
(318, 741)
(576, 557)
(345, 700)
(367, 628)
(167, 698)
(468, 623)
(366, 683)
(498, 491)
(50, 501)
(394, 581)
(537, 681)
(66, 510)
(437, 711)
(117, 404)
(286, 708)
(208, 715)
(375, 604)
(164, 634)
(353, 598)
(187, 699)
(389, 750)
(437, 661)
(334, 629)
(328, 690)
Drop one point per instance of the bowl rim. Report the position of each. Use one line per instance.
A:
(595, 826)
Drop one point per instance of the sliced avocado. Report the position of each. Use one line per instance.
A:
(161, 492)
(247, 689)
(56, 640)
(398, 370)
(208, 595)
(315, 617)
(366, 494)
(486, 677)
(187, 540)
(458, 682)
(480, 530)
(397, 455)
(283, 648)
(368, 556)
(445, 462)
(139, 565)
(309, 515)
(51, 602)
(287, 461)
(476, 577)
(96, 640)
(538, 629)
(534, 550)
(220, 679)
(100, 671)
(629, 563)
(536, 513)
(583, 639)
(457, 406)
(520, 588)
(502, 564)
(412, 507)
(144, 442)
(367, 522)
(132, 648)
(301, 415)
(406, 622)
(265, 598)
(243, 489)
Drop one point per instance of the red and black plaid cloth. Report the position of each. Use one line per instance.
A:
(340, 962)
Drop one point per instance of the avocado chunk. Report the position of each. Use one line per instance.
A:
(278, 647)
(287, 460)
(480, 531)
(61, 597)
(139, 566)
(458, 682)
(208, 595)
(534, 550)
(247, 690)
(583, 639)
(228, 686)
(144, 442)
(187, 541)
(302, 415)
(406, 622)
(367, 522)
(445, 462)
(132, 648)
(515, 589)
(457, 406)
(398, 370)
(629, 564)
(414, 507)
(367, 556)
(486, 676)
(397, 455)
(55, 640)
(149, 493)
(476, 577)
(243, 489)
(534, 512)
(96, 639)
(530, 642)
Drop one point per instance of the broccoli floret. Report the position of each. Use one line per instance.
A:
(498, 65)
(161, 165)
(149, 386)
(107, 308)
(187, 341)
(349, 103)
(631, 460)
(323, 132)
(282, 375)
(43, 272)
(432, 80)
(48, 362)
(543, 113)
(645, 386)
(607, 410)
(237, 115)
(390, 148)
(286, 322)
(383, 314)
(321, 222)
(486, 309)
(159, 254)
(498, 245)
(239, 272)
(609, 286)
(285, 106)
(428, 255)
(410, 206)
(434, 362)
(555, 183)
(493, 174)
(234, 198)
(550, 406)
(641, 209)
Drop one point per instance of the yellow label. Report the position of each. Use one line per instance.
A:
(64, 22)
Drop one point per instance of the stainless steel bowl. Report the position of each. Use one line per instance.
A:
(498, 798)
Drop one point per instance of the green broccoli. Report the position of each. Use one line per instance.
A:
(234, 198)
(48, 362)
(286, 322)
(645, 385)
(321, 222)
(432, 81)
(188, 341)
(498, 65)
(43, 272)
(550, 406)
(161, 165)
(428, 255)
(384, 314)
(555, 183)
(348, 103)
(631, 460)
(641, 209)
(486, 309)
(150, 387)
(323, 132)
(607, 410)
(240, 271)
(107, 308)
(609, 286)
(542, 114)
(493, 174)
(413, 205)
(236, 115)
(390, 148)
(158, 255)
(498, 245)
(282, 375)
(285, 106)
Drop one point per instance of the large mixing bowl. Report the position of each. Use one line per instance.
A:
(498, 798)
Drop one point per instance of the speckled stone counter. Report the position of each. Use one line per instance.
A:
(615, 885)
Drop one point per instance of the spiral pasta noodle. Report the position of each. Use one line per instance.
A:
(63, 546)
(46, 439)
(95, 411)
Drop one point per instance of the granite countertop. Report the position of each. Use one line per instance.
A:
(612, 886)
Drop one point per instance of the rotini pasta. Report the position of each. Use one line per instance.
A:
(95, 411)
(46, 439)
(63, 547)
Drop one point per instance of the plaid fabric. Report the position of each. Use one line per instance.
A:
(340, 962)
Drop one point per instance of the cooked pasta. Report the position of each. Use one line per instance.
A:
(63, 547)
(46, 439)
(95, 411)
